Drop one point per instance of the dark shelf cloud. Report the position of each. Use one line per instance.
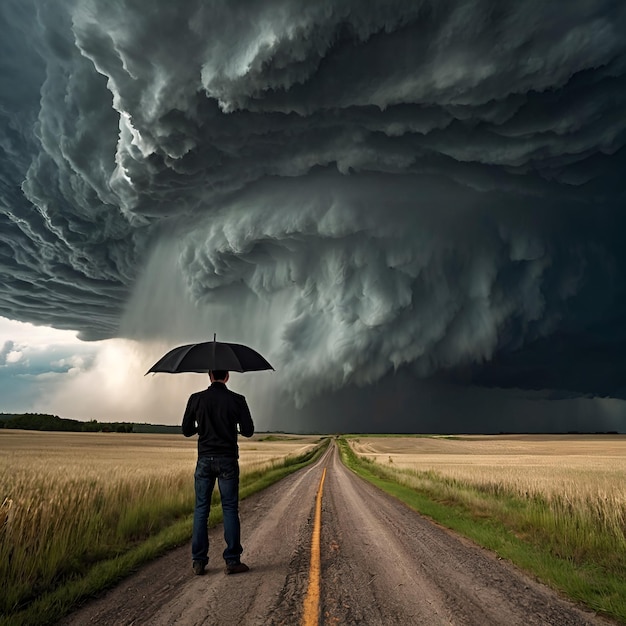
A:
(424, 192)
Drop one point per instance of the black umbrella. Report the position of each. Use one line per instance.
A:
(211, 355)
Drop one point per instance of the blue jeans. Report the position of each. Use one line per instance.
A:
(226, 471)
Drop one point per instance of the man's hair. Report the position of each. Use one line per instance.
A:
(219, 374)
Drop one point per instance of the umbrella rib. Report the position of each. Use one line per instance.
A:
(183, 354)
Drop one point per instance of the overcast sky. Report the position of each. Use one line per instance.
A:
(414, 210)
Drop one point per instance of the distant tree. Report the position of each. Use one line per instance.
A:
(42, 421)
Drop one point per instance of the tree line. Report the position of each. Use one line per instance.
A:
(47, 422)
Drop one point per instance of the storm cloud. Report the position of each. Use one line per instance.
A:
(427, 193)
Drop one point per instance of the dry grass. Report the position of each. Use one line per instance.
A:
(579, 467)
(68, 500)
(564, 492)
(260, 450)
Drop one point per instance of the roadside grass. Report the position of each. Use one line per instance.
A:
(564, 547)
(69, 545)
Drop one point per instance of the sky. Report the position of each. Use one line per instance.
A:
(413, 210)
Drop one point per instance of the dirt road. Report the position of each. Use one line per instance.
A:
(380, 563)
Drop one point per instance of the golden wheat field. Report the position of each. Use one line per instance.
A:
(70, 499)
(577, 465)
(39, 468)
(45, 470)
(88, 455)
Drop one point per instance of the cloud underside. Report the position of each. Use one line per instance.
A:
(431, 187)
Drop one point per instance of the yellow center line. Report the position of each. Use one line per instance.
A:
(311, 613)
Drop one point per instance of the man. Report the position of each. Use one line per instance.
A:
(217, 414)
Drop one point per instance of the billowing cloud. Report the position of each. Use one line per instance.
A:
(35, 360)
(407, 191)
(14, 356)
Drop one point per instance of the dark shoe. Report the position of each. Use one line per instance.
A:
(198, 567)
(236, 568)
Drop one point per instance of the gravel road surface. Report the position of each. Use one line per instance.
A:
(381, 564)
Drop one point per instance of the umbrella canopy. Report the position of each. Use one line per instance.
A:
(211, 355)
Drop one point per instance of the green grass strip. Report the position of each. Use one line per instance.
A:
(52, 606)
(590, 584)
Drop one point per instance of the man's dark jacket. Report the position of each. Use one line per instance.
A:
(217, 414)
